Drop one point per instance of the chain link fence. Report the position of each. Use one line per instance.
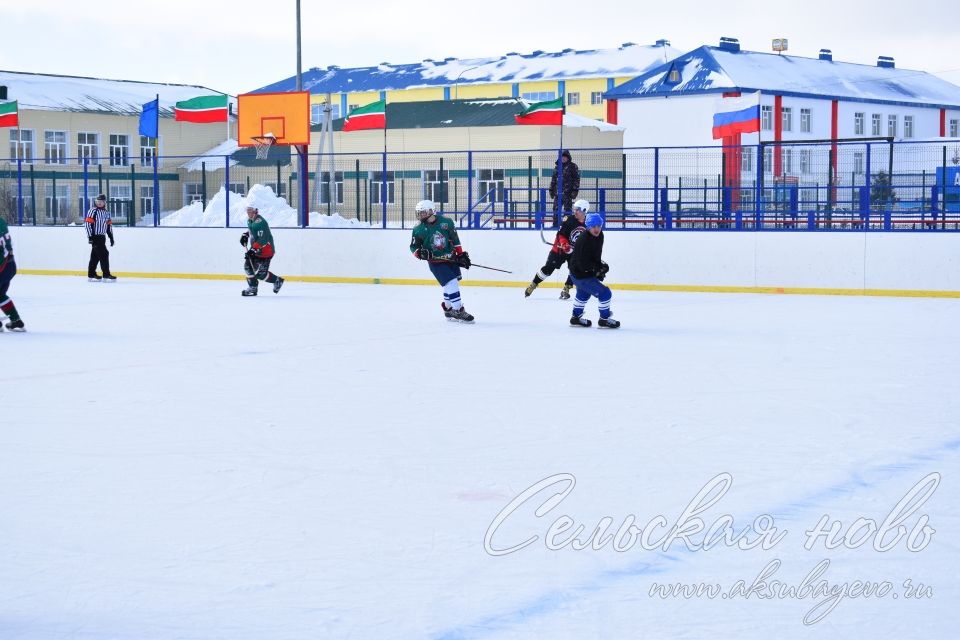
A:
(878, 185)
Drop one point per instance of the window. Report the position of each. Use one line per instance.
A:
(907, 126)
(490, 185)
(119, 150)
(804, 159)
(352, 107)
(55, 147)
(238, 188)
(57, 207)
(22, 147)
(858, 162)
(377, 179)
(858, 119)
(573, 98)
(435, 185)
(892, 126)
(279, 189)
(787, 159)
(316, 112)
(747, 162)
(146, 201)
(875, 125)
(674, 76)
(325, 186)
(768, 159)
(88, 146)
(148, 151)
(539, 96)
(787, 119)
(766, 118)
(596, 97)
(804, 120)
(120, 197)
(955, 128)
(192, 192)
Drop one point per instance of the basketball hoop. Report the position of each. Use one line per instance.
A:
(262, 144)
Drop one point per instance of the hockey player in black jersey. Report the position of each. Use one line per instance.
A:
(567, 236)
(588, 270)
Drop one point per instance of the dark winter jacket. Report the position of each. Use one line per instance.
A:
(571, 184)
(585, 261)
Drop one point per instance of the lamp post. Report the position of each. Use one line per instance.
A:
(456, 83)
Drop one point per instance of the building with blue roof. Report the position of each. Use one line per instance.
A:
(581, 76)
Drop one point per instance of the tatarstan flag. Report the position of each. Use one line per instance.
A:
(202, 109)
(371, 116)
(8, 114)
(549, 112)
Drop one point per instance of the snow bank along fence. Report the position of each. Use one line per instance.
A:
(872, 185)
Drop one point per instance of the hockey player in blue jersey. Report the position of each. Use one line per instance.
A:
(588, 270)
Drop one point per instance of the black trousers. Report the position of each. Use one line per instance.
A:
(98, 255)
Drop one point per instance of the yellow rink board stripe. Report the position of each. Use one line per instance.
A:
(692, 288)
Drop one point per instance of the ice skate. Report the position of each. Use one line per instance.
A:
(609, 323)
(579, 321)
(460, 315)
(565, 293)
(249, 291)
(109, 278)
(277, 284)
(15, 325)
(94, 278)
(529, 290)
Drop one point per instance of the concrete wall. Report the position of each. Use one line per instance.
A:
(704, 260)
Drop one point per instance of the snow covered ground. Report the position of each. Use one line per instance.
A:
(180, 462)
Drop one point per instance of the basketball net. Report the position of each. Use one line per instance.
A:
(262, 144)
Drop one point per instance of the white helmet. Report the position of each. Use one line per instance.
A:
(425, 206)
(583, 205)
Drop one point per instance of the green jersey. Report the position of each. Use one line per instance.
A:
(440, 238)
(6, 245)
(261, 240)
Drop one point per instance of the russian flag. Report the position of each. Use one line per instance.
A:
(737, 115)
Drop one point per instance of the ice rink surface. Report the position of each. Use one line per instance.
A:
(178, 462)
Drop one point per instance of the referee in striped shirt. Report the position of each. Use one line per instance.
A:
(99, 228)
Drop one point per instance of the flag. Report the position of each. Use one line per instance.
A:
(371, 116)
(549, 112)
(737, 115)
(202, 109)
(8, 114)
(149, 119)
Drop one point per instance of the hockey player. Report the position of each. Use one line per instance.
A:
(567, 236)
(435, 240)
(8, 269)
(587, 270)
(257, 260)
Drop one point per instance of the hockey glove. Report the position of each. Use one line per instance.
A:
(604, 268)
(423, 253)
(244, 237)
(251, 255)
(463, 260)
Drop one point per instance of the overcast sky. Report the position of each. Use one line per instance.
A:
(241, 45)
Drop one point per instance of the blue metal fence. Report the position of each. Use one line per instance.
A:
(842, 186)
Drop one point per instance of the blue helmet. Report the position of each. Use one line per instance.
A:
(593, 220)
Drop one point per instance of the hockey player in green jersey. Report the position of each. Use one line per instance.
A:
(435, 240)
(8, 269)
(258, 256)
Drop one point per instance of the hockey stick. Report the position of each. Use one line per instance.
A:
(472, 264)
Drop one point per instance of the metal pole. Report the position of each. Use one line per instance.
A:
(301, 149)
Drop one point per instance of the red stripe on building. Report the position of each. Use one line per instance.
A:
(777, 135)
(612, 111)
(943, 123)
(834, 134)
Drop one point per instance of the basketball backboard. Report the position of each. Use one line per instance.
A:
(284, 115)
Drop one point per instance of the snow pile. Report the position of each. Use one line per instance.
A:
(277, 212)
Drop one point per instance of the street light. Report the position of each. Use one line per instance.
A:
(456, 83)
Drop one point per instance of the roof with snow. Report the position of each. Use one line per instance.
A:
(629, 59)
(439, 114)
(47, 92)
(718, 69)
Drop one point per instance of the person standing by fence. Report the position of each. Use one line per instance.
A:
(99, 228)
(570, 187)
(8, 269)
